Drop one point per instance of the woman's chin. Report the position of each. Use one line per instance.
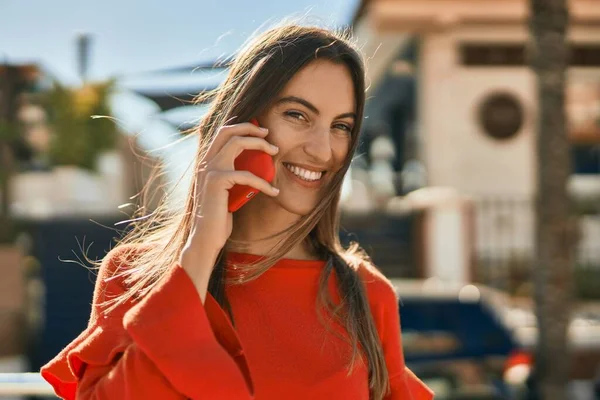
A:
(274, 206)
(298, 205)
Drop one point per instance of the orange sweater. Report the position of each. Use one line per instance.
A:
(171, 346)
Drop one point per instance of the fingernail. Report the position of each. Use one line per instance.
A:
(275, 148)
(275, 190)
(264, 129)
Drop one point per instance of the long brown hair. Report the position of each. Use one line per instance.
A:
(258, 73)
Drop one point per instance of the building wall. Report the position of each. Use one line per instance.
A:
(456, 151)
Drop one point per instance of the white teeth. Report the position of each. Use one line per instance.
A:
(303, 173)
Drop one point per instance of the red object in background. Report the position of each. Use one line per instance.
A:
(518, 357)
(260, 164)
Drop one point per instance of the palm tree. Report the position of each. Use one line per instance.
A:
(554, 226)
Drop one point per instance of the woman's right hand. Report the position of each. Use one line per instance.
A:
(213, 221)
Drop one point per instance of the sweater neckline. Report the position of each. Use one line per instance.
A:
(246, 259)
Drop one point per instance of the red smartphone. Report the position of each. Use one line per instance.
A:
(260, 164)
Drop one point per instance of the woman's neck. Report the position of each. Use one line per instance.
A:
(253, 224)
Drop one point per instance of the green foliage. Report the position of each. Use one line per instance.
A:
(77, 138)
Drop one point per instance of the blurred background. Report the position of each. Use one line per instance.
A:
(443, 193)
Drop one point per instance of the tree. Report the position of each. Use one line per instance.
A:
(77, 138)
(554, 224)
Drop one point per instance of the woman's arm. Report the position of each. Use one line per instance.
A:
(174, 351)
(133, 376)
(162, 347)
(404, 384)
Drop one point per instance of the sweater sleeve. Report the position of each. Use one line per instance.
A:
(404, 384)
(163, 347)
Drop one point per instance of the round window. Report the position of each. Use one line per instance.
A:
(501, 115)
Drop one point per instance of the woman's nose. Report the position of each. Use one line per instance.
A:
(318, 146)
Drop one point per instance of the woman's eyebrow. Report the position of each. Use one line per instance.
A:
(309, 105)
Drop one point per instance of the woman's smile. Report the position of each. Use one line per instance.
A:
(304, 176)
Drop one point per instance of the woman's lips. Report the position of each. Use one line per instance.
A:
(308, 184)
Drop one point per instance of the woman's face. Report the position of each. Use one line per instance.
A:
(311, 122)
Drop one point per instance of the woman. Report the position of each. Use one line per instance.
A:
(312, 320)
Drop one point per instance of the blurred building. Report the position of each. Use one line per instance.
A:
(450, 81)
(68, 191)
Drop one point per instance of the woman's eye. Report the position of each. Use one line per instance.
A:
(295, 115)
(343, 127)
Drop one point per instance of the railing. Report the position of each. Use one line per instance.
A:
(24, 384)
(504, 247)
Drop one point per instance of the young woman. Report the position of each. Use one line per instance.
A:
(312, 320)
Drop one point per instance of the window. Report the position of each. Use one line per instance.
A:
(500, 115)
(515, 55)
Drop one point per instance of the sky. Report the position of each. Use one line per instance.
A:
(130, 37)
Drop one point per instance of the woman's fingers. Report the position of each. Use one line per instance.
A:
(237, 144)
(227, 179)
(229, 143)
(227, 132)
(243, 128)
